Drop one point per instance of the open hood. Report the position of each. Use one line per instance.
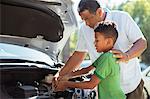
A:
(29, 18)
(43, 25)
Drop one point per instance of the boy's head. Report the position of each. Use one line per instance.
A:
(105, 36)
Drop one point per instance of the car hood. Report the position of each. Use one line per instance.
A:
(27, 18)
(43, 25)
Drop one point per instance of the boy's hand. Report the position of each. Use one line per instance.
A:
(122, 57)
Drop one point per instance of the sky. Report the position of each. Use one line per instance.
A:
(103, 3)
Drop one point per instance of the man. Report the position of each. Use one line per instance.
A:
(129, 45)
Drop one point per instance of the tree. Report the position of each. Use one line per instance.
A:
(140, 12)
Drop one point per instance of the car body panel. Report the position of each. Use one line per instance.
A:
(9, 51)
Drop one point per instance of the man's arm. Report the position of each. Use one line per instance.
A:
(72, 63)
(136, 50)
(81, 72)
(77, 73)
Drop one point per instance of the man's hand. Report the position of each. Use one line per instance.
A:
(54, 83)
(56, 80)
(122, 57)
(61, 86)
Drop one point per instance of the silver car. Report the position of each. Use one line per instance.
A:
(33, 34)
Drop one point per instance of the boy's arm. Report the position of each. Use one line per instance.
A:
(62, 85)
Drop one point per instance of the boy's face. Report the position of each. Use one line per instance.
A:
(102, 44)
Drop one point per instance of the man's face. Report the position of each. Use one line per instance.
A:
(89, 18)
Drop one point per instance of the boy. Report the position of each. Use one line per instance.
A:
(106, 74)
